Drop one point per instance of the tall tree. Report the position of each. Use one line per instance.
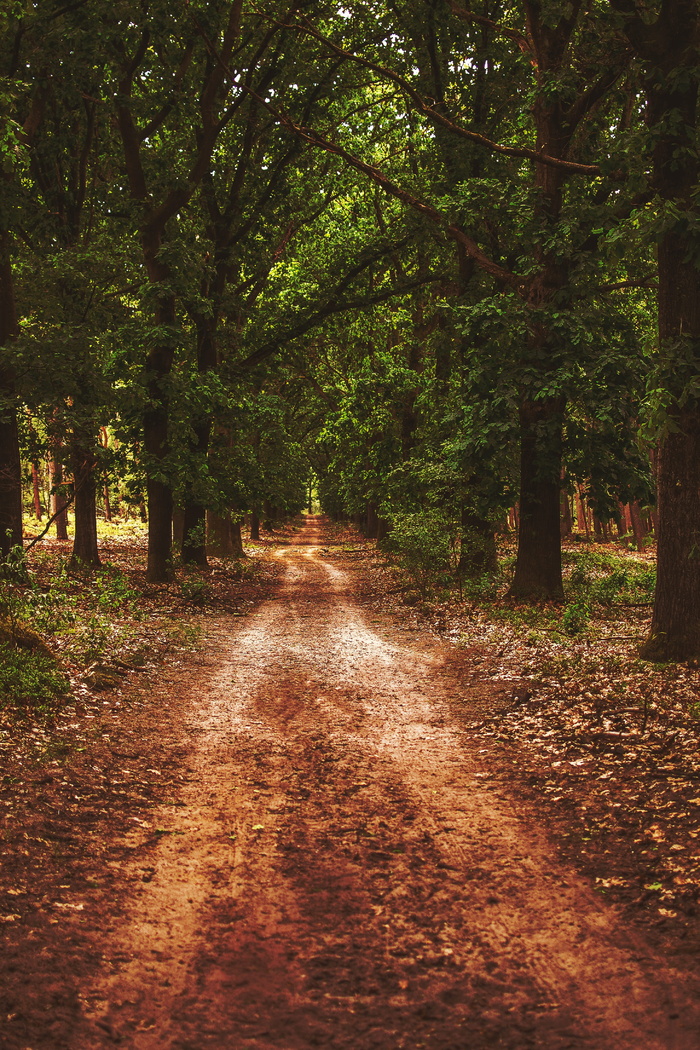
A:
(161, 63)
(22, 116)
(669, 47)
(571, 68)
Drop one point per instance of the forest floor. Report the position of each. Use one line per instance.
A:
(331, 826)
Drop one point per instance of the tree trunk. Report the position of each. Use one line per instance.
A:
(219, 537)
(567, 522)
(237, 539)
(155, 434)
(85, 553)
(160, 518)
(10, 467)
(254, 525)
(582, 514)
(625, 520)
(58, 503)
(477, 553)
(178, 527)
(668, 47)
(224, 539)
(538, 573)
(36, 491)
(269, 516)
(675, 625)
(638, 530)
(371, 522)
(194, 544)
(104, 442)
(538, 568)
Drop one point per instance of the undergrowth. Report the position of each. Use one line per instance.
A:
(596, 583)
(582, 651)
(29, 679)
(57, 627)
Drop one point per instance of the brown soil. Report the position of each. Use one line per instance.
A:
(293, 842)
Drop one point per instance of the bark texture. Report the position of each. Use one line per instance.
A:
(224, 538)
(670, 49)
(675, 631)
(58, 503)
(538, 567)
(85, 551)
(10, 469)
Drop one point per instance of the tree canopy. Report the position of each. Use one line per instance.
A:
(437, 260)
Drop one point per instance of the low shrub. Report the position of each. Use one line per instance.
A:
(603, 578)
(422, 544)
(29, 679)
(576, 617)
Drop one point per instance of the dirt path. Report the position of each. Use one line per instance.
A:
(339, 870)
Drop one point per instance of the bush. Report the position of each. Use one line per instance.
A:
(114, 589)
(576, 617)
(29, 679)
(422, 545)
(605, 579)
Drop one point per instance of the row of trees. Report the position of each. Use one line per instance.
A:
(444, 257)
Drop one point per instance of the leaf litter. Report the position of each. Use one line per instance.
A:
(605, 744)
(613, 770)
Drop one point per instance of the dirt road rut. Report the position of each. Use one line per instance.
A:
(341, 872)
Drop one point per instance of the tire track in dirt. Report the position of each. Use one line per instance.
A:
(342, 873)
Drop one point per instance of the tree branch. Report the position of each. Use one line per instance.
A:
(316, 139)
(439, 118)
(259, 285)
(338, 306)
(523, 43)
(641, 282)
(585, 102)
(335, 303)
(453, 231)
(162, 115)
(645, 38)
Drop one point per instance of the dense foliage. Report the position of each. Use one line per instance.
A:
(407, 254)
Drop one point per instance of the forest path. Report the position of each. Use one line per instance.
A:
(337, 871)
